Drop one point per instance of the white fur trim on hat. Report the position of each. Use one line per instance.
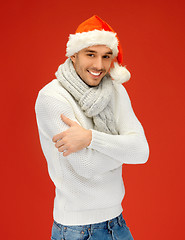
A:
(83, 40)
(119, 73)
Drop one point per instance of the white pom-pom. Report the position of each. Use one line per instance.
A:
(119, 73)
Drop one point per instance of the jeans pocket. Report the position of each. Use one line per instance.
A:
(76, 234)
(56, 232)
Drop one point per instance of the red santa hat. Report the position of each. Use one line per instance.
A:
(95, 31)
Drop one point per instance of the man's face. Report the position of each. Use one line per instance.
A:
(93, 63)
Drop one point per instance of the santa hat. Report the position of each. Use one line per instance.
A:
(95, 31)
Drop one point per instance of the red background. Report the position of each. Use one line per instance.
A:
(33, 38)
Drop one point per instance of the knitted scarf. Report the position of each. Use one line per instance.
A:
(94, 101)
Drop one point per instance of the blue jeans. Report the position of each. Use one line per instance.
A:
(114, 229)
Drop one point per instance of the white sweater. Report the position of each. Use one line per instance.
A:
(89, 185)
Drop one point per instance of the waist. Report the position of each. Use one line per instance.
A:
(85, 216)
(102, 225)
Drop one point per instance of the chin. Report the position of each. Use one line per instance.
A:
(93, 85)
(93, 82)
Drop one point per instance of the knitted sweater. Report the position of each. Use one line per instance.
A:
(88, 183)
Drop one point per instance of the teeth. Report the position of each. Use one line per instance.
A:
(95, 74)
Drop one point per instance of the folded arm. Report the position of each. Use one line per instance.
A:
(130, 146)
(105, 152)
(87, 162)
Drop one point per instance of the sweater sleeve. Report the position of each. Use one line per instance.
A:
(87, 162)
(130, 146)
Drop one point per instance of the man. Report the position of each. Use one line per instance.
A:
(87, 131)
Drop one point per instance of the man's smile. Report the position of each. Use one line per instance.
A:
(95, 74)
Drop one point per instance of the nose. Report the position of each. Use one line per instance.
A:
(98, 63)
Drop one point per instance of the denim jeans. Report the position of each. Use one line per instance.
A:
(114, 229)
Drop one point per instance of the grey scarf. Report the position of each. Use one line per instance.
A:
(94, 101)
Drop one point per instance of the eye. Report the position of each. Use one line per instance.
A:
(106, 56)
(90, 55)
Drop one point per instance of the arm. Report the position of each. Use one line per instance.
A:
(87, 162)
(131, 145)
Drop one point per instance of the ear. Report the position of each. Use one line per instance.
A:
(73, 58)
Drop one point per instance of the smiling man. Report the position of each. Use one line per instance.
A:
(88, 130)
(92, 63)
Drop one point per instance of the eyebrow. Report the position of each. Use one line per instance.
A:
(92, 51)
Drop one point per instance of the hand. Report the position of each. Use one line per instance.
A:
(73, 139)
